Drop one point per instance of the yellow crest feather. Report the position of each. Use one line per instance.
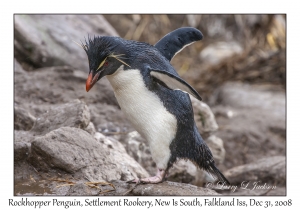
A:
(116, 57)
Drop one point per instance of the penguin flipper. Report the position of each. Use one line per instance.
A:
(174, 82)
(175, 41)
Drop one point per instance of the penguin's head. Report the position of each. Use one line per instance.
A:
(105, 55)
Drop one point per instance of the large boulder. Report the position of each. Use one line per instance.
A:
(48, 40)
(270, 169)
(76, 151)
(266, 176)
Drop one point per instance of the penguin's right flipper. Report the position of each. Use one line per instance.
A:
(175, 41)
(174, 82)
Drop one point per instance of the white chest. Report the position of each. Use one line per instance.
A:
(146, 112)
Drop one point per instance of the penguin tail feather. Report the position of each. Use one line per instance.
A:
(215, 172)
(205, 161)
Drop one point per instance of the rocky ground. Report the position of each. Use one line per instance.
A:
(70, 142)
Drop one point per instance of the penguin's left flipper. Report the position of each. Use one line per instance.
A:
(175, 41)
(174, 82)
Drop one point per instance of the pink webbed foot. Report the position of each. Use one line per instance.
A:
(159, 177)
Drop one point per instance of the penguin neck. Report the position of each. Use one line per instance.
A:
(120, 79)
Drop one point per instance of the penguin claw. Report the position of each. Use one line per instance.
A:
(152, 180)
(159, 177)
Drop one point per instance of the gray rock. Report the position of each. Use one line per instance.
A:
(161, 189)
(217, 52)
(122, 188)
(47, 40)
(79, 189)
(273, 190)
(120, 156)
(76, 151)
(271, 169)
(138, 148)
(108, 118)
(18, 69)
(22, 142)
(216, 146)
(171, 189)
(23, 120)
(251, 121)
(245, 96)
(183, 171)
(100, 137)
(74, 114)
(90, 129)
(204, 117)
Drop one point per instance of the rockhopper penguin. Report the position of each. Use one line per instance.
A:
(153, 96)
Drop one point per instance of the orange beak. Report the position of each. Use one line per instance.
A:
(91, 81)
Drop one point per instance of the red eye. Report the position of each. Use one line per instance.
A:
(106, 63)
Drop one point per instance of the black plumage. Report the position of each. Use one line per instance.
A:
(159, 77)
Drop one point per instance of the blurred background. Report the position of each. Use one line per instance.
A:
(239, 69)
(246, 48)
